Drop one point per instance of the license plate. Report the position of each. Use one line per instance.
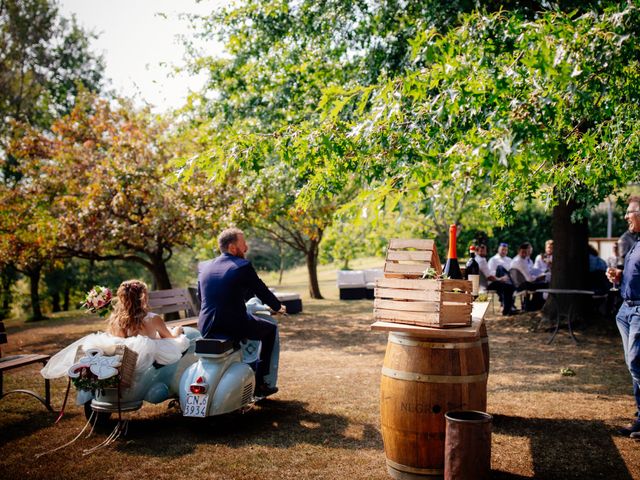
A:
(195, 405)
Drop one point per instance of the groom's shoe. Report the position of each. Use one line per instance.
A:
(265, 390)
(630, 429)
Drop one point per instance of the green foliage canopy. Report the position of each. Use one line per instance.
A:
(544, 108)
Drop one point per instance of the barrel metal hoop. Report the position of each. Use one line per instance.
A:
(400, 340)
(419, 471)
(420, 377)
(485, 340)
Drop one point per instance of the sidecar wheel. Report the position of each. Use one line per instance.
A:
(100, 419)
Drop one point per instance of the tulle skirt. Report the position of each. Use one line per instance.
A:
(164, 351)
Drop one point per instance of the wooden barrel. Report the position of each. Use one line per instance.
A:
(422, 379)
(484, 339)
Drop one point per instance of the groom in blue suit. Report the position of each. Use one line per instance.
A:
(224, 284)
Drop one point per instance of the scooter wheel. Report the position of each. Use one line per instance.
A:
(99, 419)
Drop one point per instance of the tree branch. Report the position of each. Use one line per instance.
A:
(94, 256)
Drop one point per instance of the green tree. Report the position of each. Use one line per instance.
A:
(119, 199)
(542, 108)
(45, 60)
(268, 83)
(281, 57)
(105, 172)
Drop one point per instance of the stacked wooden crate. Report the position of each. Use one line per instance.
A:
(403, 296)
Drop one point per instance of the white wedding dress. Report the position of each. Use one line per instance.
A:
(164, 351)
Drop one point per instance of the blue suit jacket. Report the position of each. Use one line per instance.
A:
(224, 284)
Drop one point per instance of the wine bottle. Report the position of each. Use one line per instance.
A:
(452, 268)
(472, 271)
(472, 267)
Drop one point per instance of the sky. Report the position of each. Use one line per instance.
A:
(135, 42)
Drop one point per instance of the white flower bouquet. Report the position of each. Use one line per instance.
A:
(98, 300)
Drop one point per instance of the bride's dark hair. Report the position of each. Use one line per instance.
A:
(130, 309)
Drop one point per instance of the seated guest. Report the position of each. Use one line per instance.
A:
(501, 285)
(595, 262)
(543, 260)
(499, 264)
(598, 281)
(532, 280)
(522, 263)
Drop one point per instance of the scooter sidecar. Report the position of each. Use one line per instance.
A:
(154, 384)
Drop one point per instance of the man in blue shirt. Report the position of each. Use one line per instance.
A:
(224, 284)
(628, 318)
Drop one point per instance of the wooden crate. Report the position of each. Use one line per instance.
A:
(410, 258)
(428, 303)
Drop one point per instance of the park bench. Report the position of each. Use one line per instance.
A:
(181, 301)
(17, 361)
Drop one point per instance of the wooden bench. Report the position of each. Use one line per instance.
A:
(177, 300)
(16, 361)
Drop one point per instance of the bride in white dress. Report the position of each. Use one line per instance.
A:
(130, 324)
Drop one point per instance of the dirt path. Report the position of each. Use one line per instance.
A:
(324, 422)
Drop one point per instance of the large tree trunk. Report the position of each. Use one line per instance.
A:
(161, 281)
(281, 252)
(160, 274)
(8, 278)
(34, 279)
(55, 301)
(67, 298)
(312, 267)
(570, 267)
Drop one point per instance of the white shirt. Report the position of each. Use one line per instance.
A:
(484, 266)
(540, 265)
(497, 260)
(523, 265)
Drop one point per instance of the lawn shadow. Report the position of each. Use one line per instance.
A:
(567, 449)
(26, 424)
(274, 423)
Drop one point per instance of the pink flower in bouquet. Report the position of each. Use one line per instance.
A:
(98, 300)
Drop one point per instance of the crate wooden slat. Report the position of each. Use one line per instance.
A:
(423, 302)
(423, 319)
(418, 243)
(415, 255)
(410, 258)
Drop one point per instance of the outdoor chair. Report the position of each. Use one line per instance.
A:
(521, 292)
(21, 360)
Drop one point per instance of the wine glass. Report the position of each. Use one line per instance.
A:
(612, 262)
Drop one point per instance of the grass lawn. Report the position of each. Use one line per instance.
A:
(324, 422)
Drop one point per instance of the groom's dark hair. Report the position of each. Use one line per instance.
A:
(227, 237)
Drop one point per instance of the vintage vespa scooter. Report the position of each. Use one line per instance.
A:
(213, 377)
(223, 379)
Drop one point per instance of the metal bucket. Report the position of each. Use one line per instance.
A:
(467, 450)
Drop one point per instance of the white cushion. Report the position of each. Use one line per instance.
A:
(351, 279)
(371, 274)
(286, 296)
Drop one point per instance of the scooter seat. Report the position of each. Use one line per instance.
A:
(213, 346)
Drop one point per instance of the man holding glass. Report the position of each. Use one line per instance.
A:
(628, 318)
